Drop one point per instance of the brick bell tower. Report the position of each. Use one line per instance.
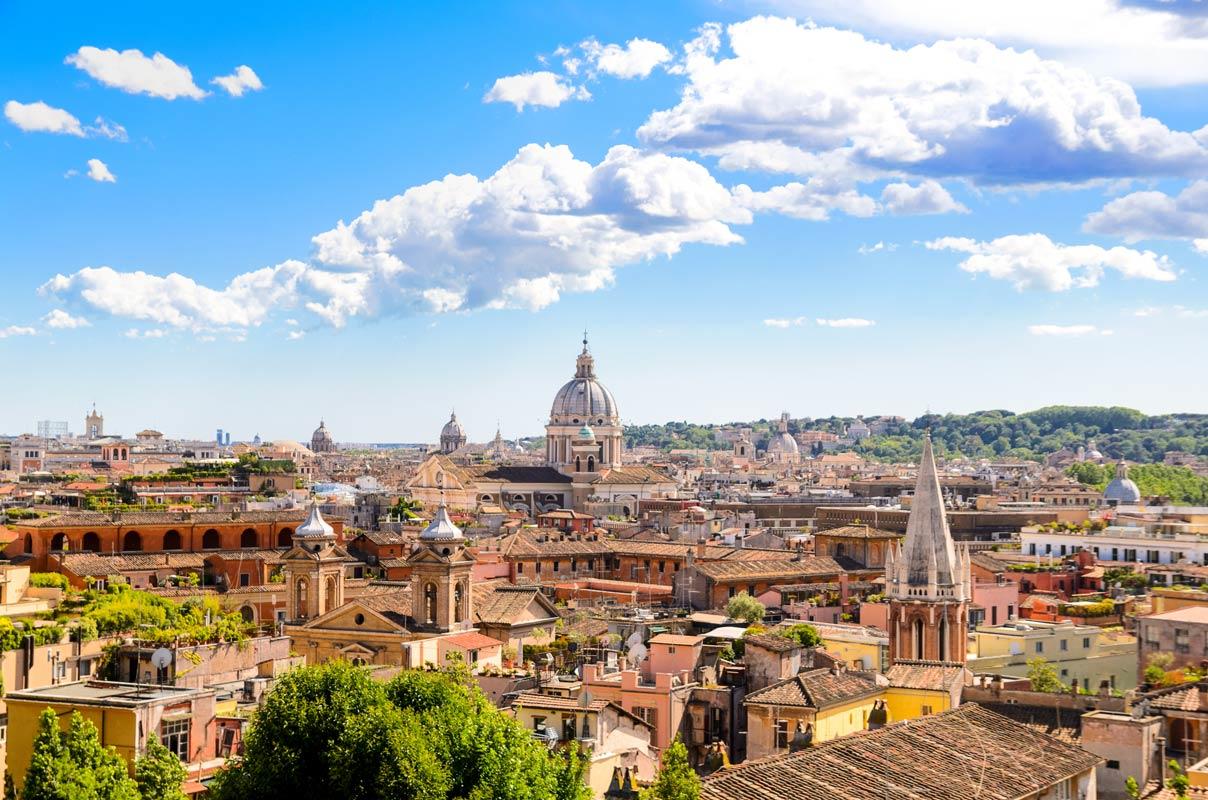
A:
(441, 568)
(928, 580)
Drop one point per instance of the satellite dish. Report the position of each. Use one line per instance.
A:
(637, 653)
(634, 639)
(549, 658)
(161, 658)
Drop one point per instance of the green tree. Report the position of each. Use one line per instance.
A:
(1178, 782)
(802, 634)
(746, 608)
(72, 765)
(676, 779)
(1043, 676)
(1131, 788)
(159, 773)
(570, 784)
(332, 731)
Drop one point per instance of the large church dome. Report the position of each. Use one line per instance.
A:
(584, 399)
(453, 428)
(1122, 490)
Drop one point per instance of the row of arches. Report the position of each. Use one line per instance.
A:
(133, 541)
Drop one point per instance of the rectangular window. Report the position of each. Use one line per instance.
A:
(1113, 764)
(555, 566)
(1040, 647)
(538, 723)
(174, 735)
(1065, 644)
(926, 710)
(85, 667)
(782, 734)
(519, 567)
(662, 567)
(245, 579)
(1086, 642)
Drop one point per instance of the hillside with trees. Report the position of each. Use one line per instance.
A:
(1119, 433)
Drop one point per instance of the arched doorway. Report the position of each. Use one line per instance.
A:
(91, 542)
(29, 543)
(329, 598)
(132, 542)
(59, 542)
(248, 613)
(301, 596)
(430, 603)
(285, 538)
(210, 540)
(459, 603)
(248, 539)
(172, 540)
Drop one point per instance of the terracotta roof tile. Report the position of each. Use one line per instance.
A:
(968, 753)
(817, 688)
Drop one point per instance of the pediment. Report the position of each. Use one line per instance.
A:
(344, 619)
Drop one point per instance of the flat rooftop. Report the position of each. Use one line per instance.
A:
(107, 693)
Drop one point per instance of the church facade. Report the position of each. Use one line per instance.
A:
(584, 444)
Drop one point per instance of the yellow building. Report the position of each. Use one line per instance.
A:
(1164, 600)
(858, 646)
(1084, 654)
(921, 688)
(124, 715)
(820, 704)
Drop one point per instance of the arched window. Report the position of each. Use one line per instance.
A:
(459, 599)
(210, 540)
(248, 613)
(578, 465)
(59, 543)
(172, 540)
(29, 543)
(943, 655)
(132, 542)
(91, 542)
(591, 463)
(329, 599)
(285, 538)
(430, 603)
(301, 597)
(248, 538)
(917, 628)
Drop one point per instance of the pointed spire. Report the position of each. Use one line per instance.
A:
(928, 539)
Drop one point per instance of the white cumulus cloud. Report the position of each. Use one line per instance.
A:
(42, 118)
(846, 322)
(133, 72)
(1155, 215)
(928, 197)
(99, 171)
(1146, 42)
(58, 318)
(243, 79)
(1036, 261)
(636, 59)
(544, 224)
(794, 322)
(544, 89)
(16, 330)
(794, 98)
(1063, 330)
(879, 247)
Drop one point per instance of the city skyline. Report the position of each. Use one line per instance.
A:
(1016, 225)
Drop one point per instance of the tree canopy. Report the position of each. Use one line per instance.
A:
(676, 779)
(72, 764)
(1180, 484)
(746, 608)
(333, 731)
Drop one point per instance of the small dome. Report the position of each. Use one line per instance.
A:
(453, 428)
(1122, 490)
(783, 443)
(587, 434)
(315, 527)
(441, 527)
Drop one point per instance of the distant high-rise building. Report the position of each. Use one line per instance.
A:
(227, 441)
(94, 424)
(218, 436)
(52, 429)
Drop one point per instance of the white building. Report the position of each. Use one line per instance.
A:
(1150, 543)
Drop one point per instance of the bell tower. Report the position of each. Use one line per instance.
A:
(440, 576)
(314, 570)
(928, 580)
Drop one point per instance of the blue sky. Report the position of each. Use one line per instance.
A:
(705, 200)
